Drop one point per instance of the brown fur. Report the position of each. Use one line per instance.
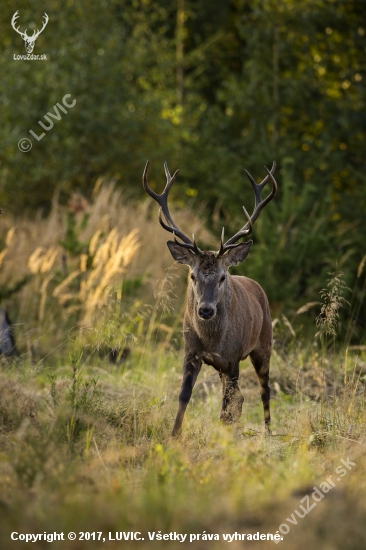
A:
(227, 317)
(240, 327)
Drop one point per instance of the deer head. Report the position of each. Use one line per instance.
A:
(209, 269)
(28, 40)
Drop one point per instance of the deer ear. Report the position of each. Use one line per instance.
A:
(180, 254)
(238, 254)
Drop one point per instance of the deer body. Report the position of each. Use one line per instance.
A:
(227, 317)
(222, 341)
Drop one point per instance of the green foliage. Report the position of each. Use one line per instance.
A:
(82, 394)
(213, 87)
(72, 243)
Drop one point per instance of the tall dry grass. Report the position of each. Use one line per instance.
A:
(107, 211)
(114, 245)
(84, 444)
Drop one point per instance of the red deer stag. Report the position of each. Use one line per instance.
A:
(227, 316)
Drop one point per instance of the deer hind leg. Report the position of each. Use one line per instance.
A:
(232, 398)
(191, 368)
(260, 361)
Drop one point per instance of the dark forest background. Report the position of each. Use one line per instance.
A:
(212, 87)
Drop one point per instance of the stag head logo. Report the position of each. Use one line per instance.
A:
(29, 41)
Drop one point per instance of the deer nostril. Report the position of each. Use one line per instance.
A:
(206, 312)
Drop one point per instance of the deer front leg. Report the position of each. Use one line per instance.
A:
(232, 398)
(191, 368)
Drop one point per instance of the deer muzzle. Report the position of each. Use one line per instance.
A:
(206, 311)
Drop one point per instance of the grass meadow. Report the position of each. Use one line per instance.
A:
(87, 407)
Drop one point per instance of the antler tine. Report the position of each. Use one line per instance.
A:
(259, 204)
(162, 201)
(263, 182)
(250, 223)
(196, 250)
(15, 17)
(13, 22)
(274, 185)
(192, 247)
(244, 232)
(159, 198)
(145, 183)
(44, 24)
(169, 178)
(221, 251)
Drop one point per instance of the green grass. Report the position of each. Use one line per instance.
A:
(85, 446)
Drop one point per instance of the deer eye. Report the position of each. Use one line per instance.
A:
(193, 278)
(222, 278)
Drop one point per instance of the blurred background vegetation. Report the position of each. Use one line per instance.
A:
(212, 87)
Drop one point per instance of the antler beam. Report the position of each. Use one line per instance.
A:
(162, 201)
(44, 24)
(259, 204)
(14, 21)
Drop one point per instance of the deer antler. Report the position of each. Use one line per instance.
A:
(259, 204)
(162, 201)
(35, 34)
(13, 21)
(44, 24)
